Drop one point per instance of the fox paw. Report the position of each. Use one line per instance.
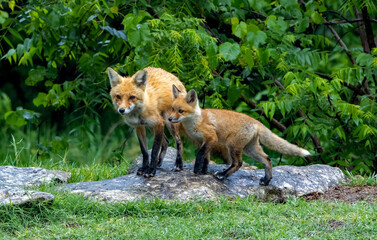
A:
(264, 181)
(219, 175)
(150, 173)
(142, 170)
(177, 168)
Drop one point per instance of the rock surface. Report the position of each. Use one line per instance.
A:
(185, 185)
(15, 181)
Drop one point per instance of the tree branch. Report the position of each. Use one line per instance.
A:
(358, 19)
(275, 123)
(340, 41)
(363, 35)
(317, 144)
(368, 28)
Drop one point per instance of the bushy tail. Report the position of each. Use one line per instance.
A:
(276, 143)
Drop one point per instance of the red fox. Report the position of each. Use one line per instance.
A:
(144, 100)
(215, 129)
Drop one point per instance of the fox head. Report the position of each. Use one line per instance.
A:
(184, 106)
(127, 93)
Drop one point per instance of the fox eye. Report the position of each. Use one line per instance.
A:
(117, 96)
(180, 111)
(132, 97)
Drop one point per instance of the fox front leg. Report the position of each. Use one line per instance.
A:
(141, 136)
(158, 137)
(201, 162)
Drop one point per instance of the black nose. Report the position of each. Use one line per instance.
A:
(170, 119)
(121, 110)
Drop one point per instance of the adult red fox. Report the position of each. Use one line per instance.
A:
(223, 129)
(144, 100)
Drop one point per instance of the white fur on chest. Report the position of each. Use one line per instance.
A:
(192, 132)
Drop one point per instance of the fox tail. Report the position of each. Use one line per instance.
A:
(278, 144)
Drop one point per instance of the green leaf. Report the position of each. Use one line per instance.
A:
(240, 29)
(317, 18)
(249, 57)
(20, 117)
(302, 26)
(364, 59)
(256, 39)
(234, 93)
(41, 99)
(230, 51)
(139, 36)
(211, 51)
(117, 33)
(15, 118)
(15, 33)
(288, 3)
(35, 75)
(9, 54)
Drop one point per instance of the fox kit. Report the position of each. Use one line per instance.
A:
(144, 100)
(224, 129)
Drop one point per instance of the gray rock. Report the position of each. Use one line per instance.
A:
(185, 185)
(15, 181)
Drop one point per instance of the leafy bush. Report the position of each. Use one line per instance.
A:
(304, 68)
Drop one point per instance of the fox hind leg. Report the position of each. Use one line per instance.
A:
(164, 146)
(174, 130)
(236, 156)
(253, 149)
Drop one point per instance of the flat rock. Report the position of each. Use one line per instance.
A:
(15, 181)
(185, 185)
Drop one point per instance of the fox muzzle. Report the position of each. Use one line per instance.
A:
(126, 110)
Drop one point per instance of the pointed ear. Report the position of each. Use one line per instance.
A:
(114, 77)
(140, 78)
(176, 91)
(191, 96)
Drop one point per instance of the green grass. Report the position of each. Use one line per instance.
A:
(93, 157)
(72, 217)
(358, 180)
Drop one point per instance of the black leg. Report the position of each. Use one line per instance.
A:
(164, 146)
(159, 133)
(200, 158)
(141, 135)
(205, 165)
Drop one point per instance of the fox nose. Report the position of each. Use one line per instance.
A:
(170, 119)
(121, 110)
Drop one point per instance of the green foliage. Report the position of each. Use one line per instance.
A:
(283, 56)
(357, 180)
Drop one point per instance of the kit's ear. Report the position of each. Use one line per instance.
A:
(176, 91)
(191, 97)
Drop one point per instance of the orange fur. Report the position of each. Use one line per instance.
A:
(145, 99)
(223, 129)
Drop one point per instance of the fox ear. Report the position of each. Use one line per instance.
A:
(191, 96)
(114, 77)
(141, 78)
(176, 91)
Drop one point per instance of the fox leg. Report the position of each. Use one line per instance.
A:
(141, 135)
(204, 169)
(236, 156)
(164, 146)
(174, 130)
(253, 149)
(202, 158)
(158, 138)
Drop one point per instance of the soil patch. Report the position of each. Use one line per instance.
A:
(345, 193)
